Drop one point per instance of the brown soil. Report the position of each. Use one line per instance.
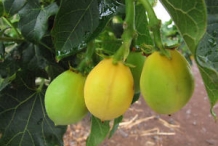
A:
(192, 126)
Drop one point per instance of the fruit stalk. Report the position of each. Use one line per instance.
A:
(155, 24)
(129, 32)
(87, 61)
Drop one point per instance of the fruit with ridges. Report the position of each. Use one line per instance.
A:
(109, 89)
(64, 98)
(166, 84)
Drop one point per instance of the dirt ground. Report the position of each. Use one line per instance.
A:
(192, 126)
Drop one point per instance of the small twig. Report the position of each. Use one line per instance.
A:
(168, 125)
(129, 122)
(154, 131)
(132, 123)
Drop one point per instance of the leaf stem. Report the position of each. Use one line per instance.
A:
(41, 85)
(46, 46)
(155, 24)
(12, 26)
(129, 32)
(9, 39)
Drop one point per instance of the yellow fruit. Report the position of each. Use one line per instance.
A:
(64, 98)
(166, 84)
(109, 90)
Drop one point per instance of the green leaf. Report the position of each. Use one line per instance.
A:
(99, 131)
(142, 27)
(107, 9)
(33, 57)
(13, 6)
(34, 20)
(135, 97)
(75, 21)
(10, 64)
(108, 42)
(190, 18)
(4, 82)
(207, 53)
(23, 119)
(115, 126)
(81, 21)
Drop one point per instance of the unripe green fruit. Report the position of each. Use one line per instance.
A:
(166, 84)
(64, 98)
(136, 59)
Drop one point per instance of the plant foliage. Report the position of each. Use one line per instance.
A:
(40, 38)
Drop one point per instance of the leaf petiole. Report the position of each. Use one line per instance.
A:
(12, 26)
(155, 24)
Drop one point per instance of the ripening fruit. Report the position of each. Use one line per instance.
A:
(136, 59)
(109, 89)
(64, 98)
(166, 84)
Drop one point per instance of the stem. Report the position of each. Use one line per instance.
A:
(9, 39)
(46, 46)
(155, 25)
(12, 25)
(39, 89)
(129, 32)
(87, 61)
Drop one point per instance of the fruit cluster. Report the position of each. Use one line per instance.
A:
(107, 92)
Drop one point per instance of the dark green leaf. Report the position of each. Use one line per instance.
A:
(190, 18)
(24, 122)
(136, 97)
(13, 6)
(107, 9)
(2, 52)
(115, 126)
(207, 53)
(1, 9)
(4, 82)
(99, 131)
(10, 64)
(80, 21)
(34, 57)
(34, 20)
(75, 21)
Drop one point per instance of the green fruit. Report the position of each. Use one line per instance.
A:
(136, 59)
(109, 90)
(166, 84)
(64, 98)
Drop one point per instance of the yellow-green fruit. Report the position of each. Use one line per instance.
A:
(109, 90)
(166, 84)
(64, 98)
(136, 59)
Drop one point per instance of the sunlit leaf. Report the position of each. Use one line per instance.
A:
(190, 18)
(142, 27)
